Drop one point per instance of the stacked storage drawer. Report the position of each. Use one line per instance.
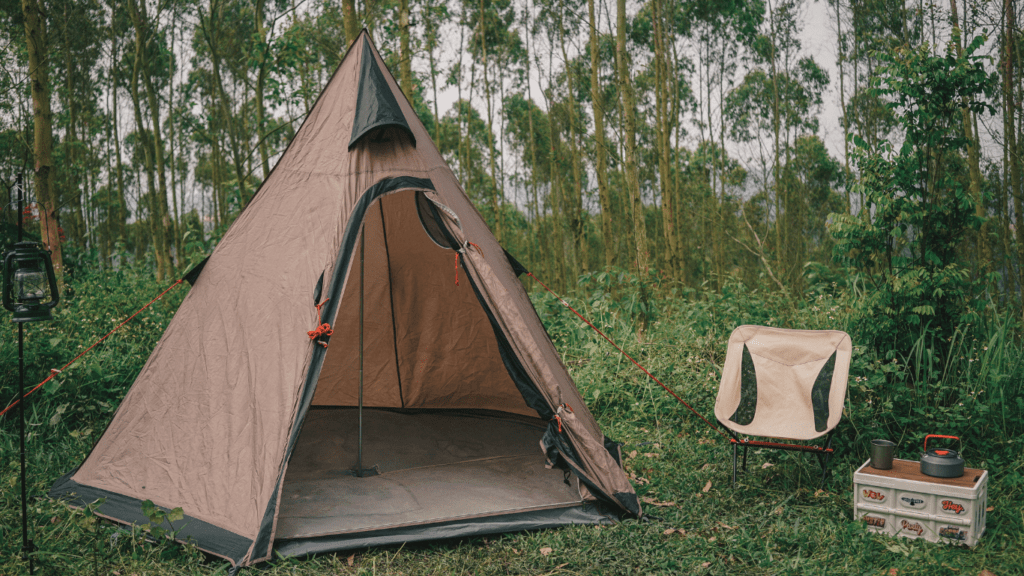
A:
(904, 502)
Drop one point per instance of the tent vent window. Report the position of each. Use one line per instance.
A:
(431, 221)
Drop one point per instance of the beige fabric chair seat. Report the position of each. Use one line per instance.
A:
(784, 384)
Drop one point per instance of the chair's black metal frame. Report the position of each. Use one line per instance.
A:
(824, 453)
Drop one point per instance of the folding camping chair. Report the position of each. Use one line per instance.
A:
(785, 385)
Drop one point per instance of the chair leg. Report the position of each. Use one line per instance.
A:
(824, 469)
(734, 465)
(745, 448)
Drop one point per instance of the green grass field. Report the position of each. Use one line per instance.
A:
(774, 521)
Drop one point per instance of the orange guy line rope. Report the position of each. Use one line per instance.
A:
(54, 371)
(621, 351)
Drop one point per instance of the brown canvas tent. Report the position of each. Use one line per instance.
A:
(470, 421)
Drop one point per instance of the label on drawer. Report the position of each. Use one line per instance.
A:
(874, 521)
(874, 494)
(913, 528)
(915, 501)
(952, 507)
(954, 533)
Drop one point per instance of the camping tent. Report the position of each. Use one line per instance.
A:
(451, 392)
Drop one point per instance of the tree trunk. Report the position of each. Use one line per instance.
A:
(261, 80)
(601, 153)
(162, 213)
(533, 139)
(211, 37)
(973, 160)
(348, 15)
(42, 121)
(70, 195)
(632, 179)
(122, 214)
(780, 240)
(156, 229)
(574, 193)
(496, 196)
(1010, 134)
(178, 248)
(430, 21)
(405, 56)
(663, 130)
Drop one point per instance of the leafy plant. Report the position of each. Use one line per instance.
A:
(907, 239)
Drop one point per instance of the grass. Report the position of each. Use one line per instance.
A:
(774, 521)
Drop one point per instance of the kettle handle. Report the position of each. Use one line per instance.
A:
(941, 436)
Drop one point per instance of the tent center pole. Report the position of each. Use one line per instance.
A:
(362, 260)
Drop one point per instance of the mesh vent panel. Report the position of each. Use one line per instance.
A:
(744, 414)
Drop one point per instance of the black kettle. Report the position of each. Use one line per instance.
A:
(942, 462)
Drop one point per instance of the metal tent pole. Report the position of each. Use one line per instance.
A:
(26, 544)
(362, 261)
(359, 471)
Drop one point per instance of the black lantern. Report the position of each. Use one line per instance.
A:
(30, 286)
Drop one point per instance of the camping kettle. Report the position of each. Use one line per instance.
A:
(942, 462)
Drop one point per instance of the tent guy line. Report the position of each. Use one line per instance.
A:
(623, 352)
(55, 371)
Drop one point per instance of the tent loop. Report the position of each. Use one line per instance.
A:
(462, 250)
(562, 408)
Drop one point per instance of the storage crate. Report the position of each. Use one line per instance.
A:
(904, 502)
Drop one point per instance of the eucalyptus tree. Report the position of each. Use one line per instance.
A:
(556, 18)
(628, 104)
(780, 96)
(719, 32)
(39, 62)
(494, 43)
(151, 65)
(75, 42)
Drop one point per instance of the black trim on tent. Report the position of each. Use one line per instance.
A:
(128, 510)
(192, 275)
(518, 268)
(462, 528)
(531, 394)
(376, 106)
(353, 230)
(318, 290)
(555, 443)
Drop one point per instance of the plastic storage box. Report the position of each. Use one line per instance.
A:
(904, 502)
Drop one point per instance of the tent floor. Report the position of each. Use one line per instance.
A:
(434, 467)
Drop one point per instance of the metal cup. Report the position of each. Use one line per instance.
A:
(881, 454)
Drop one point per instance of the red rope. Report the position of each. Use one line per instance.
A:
(324, 329)
(621, 351)
(54, 371)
